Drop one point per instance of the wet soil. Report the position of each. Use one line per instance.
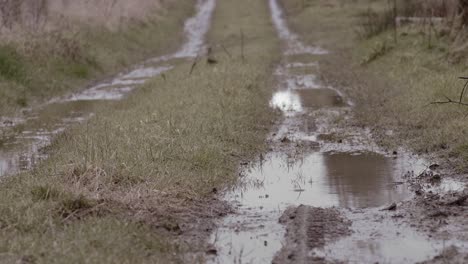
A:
(329, 194)
(308, 228)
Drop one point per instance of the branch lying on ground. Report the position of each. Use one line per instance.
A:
(462, 94)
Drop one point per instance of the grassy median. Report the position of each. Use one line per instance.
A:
(138, 182)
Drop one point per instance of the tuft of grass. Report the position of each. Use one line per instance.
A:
(11, 64)
(378, 50)
(44, 192)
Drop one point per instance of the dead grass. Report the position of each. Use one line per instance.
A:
(36, 64)
(395, 90)
(123, 187)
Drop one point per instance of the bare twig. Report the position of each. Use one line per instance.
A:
(462, 95)
(226, 51)
(242, 45)
(449, 101)
(194, 64)
(395, 24)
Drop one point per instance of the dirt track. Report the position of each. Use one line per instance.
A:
(308, 228)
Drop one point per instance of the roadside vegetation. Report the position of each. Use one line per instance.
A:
(46, 51)
(138, 182)
(399, 63)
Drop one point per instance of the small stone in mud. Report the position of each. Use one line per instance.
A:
(459, 201)
(391, 207)
(212, 251)
(435, 179)
(265, 243)
(395, 153)
(211, 60)
(285, 140)
(215, 190)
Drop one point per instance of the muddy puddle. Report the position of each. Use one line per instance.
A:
(22, 140)
(321, 179)
(382, 241)
(358, 179)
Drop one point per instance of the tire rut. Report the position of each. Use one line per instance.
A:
(309, 228)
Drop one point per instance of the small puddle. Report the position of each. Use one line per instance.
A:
(22, 140)
(341, 175)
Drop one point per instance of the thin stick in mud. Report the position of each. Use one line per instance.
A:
(194, 64)
(462, 94)
(242, 45)
(226, 51)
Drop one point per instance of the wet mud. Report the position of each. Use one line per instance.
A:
(23, 139)
(309, 228)
(328, 194)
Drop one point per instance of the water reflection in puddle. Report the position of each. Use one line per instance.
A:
(358, 180)
(290, 101)
(286, 101)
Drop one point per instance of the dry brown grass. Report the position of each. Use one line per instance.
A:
(72, 52)
(24, 15)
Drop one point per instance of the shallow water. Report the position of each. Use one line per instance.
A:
(340, 174)
(383, 242)
(322, 179)
(22, 140)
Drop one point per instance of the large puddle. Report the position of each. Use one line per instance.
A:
(322, 179)
(22, 140)
(325, 175)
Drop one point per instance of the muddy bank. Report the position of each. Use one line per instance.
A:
(308, 228)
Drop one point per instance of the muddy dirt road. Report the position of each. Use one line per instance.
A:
(26, 137)
(325, 194)
(322, 193)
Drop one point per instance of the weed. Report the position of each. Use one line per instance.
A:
(11, 67)
(74, 206)
(44, 192)
(22, 101)
(377, 51)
